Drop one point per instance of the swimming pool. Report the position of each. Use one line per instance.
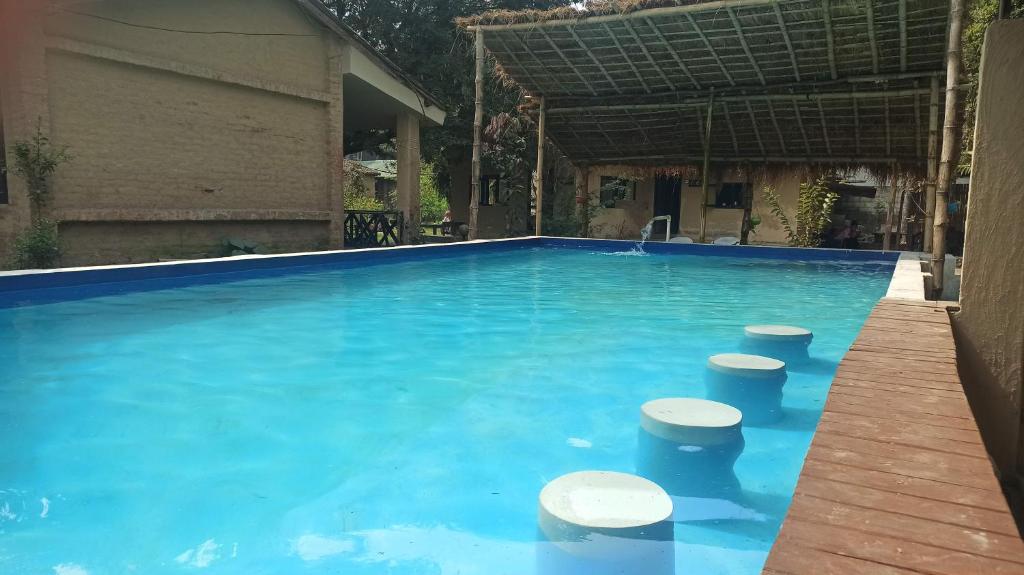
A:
(396, 418)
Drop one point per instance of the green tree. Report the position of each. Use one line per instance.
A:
(433, 204)
(421, 37)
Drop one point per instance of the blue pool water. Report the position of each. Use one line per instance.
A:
(397, 419)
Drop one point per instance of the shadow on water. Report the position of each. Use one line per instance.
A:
(747, 514)
(813, 366)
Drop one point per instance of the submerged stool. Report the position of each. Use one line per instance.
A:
(751, 383)
(689, 446)
(603, 522)
(788, 343)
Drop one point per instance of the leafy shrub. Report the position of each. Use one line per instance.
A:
(433, 204)
(37, 247)
(37, 160)
(237, 247)
(813, 213)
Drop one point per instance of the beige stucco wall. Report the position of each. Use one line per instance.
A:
(625, 220)
(990, 325)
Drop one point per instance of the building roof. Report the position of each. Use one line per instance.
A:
(331, 20)
(792, 80)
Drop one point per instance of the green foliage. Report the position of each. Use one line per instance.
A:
(35, 161)
(980, 13)
(813, 213)
(357, 195)
(37, 247)
(421, 37)
(433, 204)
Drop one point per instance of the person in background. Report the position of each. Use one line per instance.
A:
(850, 236)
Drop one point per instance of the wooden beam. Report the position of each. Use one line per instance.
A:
(903, 34)
(567, 62)
(785, 36)
(594, 59)
(647, 53)
(673, 53)
(732, 131)
(539, 215)
(757, 131)
(710, 48)
(887, 232)
(700, 102)
(700, 126)
(871, 35)
(519, 64)
(743, 42)
(705, 175)
(775, 122)
(826, 7)
(949, 145)
(933, 163)
(667, 12)
(478, 124)
(800, 123)
(629, 60)
(556, 78)
(824, 127)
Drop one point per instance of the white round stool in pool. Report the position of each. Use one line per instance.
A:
(751, 383)
(788, 343)
(605, 522)
(689, 446)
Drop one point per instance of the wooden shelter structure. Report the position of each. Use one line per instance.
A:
(846, 83)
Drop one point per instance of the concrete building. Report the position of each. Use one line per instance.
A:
(195, 120)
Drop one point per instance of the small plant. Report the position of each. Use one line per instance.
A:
(37, 247)
(37, 160)
(813, 213)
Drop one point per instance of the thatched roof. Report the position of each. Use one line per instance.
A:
(843, 81)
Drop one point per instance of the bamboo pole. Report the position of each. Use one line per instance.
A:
(478, 126)
(705, 175)
(887, 232)
(949, 144)
(933, 167)
(582, 200)
(541, 121)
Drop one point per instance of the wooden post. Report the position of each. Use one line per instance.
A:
(887, 232)
(705, 174)
(538, 230)
(478, 126)
(933, 166)
(582, 201)
(949, 146)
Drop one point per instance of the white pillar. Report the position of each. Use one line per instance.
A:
(409, 174)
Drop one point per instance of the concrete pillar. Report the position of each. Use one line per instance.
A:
(409, 174)
(990, 325)
(335, 146)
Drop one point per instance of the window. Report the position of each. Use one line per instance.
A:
(3, 157)
(730, 196)
(489, 188)
(614, 189)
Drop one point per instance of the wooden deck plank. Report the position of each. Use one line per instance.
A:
(897, 479)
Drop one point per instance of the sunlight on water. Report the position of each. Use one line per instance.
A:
(399, 418)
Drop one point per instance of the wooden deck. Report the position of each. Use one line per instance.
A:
(897, 480)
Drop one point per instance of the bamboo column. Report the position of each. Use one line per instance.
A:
(582, 201)
(478, 125)
(933, 167)
(887, 235)
(705, 174)
(949, 144)
(539, 182)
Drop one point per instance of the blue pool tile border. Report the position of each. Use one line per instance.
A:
(50, 286)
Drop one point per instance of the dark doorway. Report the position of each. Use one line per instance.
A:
(667, 201)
